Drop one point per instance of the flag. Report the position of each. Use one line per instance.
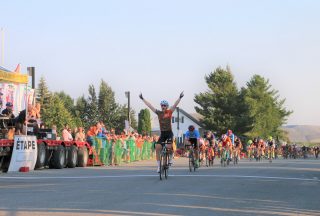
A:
(17, 70)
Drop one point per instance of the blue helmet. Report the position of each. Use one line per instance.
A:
(164, 103)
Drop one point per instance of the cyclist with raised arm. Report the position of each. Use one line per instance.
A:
(164, 116)
(192, 138)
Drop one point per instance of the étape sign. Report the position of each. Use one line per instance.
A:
(24, 153)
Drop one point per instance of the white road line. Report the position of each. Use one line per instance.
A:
(138, 176)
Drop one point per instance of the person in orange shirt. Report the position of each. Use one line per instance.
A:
(227, 145)
(226, 141)
(93, 131)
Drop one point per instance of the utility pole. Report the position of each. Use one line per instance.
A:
(128, 96)
(31, 72)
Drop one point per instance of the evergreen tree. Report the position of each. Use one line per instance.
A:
(133, 119)
(92, 111)
(110, 111)
(144, 122)
(81, 112)
(43, 96)
(67, 100)
(266, 111)
(218, 105)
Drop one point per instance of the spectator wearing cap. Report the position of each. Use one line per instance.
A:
(8, 112)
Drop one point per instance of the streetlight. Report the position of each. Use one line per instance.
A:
(127, 93)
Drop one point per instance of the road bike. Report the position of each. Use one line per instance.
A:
(225, 156)
(209, 156)
(270, 153)
(235, 157)
(192, 160)
(164, 162)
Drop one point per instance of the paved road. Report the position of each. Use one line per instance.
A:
(284, 187)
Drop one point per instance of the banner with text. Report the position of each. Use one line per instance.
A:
(24, 153)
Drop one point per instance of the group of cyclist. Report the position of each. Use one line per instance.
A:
(227, 148)
(258, 149)
(207, 147)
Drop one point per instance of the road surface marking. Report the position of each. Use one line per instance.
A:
(143, 176)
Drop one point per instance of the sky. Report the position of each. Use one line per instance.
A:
(161, 48)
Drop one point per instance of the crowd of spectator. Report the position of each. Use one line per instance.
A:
(114, 140)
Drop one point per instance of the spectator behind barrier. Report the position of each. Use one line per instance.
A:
(92, 132)
(66, 135)
(8, 111)
(80, 135)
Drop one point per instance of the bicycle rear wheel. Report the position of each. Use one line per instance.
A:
(196, 165)
(207, 159)
(211, 162)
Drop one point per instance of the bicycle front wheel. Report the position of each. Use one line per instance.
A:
(166, 166)
(161, 173)
(196, 165)
(191, 161)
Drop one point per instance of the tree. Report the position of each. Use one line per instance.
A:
(110, 111)
(218, 105)
(43, 96)
(68, 103)
(122, 113)
(265, 110)
(133, 119)
(81, 112)
(144, 122)
(58, 114)
(67, 100)
(92, 112)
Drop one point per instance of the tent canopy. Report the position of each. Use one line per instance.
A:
(9, 76)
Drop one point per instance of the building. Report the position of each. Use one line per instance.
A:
(181, 120)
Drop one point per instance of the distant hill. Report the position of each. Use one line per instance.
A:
(303, 133)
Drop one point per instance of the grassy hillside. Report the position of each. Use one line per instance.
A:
(303, 133)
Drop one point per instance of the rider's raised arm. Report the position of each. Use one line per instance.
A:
(147, 103)
(177, 102)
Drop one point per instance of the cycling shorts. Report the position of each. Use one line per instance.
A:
(193, 142)
(166, 137)
(211, 142)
